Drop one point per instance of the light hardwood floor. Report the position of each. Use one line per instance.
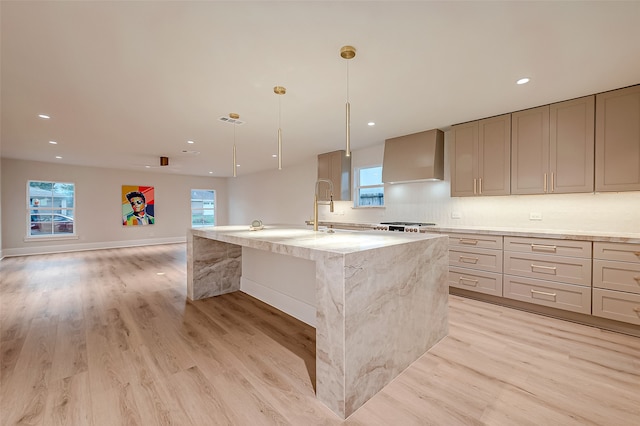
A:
(107, 338)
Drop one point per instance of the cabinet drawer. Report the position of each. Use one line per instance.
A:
(482, 259)
(616, 305)
(479, 281)
(622, 276)
(476, 241)
(572, 270)
(548, 246)
(617, 251)
(568, 297)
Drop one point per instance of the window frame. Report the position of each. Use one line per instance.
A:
(357, 187)
(52, 210)
(214, 208)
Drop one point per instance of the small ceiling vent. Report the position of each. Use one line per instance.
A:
(230, 120)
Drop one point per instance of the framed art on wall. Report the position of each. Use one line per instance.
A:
(138, 205)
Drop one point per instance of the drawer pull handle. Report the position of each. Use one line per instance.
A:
(472, 282)
(542, 293)
(637, 310)
(466, 259)
(468, 242)
(637, 253)
(541, 247)
(637, 278)
(552, 269)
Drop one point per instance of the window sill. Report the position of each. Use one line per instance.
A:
(31, 239)
(368, 207)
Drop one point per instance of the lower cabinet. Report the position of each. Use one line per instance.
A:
(475, 263)
(479, 281)
(600, 279)
(554, 273)
(569, 297)
(616, 281)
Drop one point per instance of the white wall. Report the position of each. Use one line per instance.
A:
(98, 206)
(275, 196)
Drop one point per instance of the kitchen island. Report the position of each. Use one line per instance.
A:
(381, 298)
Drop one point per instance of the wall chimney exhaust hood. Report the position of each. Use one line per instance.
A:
(415, 157)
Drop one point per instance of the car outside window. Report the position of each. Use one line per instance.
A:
(50, 209)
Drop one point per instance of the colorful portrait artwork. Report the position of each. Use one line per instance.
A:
(138, 203)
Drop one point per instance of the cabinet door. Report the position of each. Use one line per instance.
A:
(571, 145)
(464, 163)
(530, 151)
(494, 155)
(618, 140)
(324, 172)
(336, 167)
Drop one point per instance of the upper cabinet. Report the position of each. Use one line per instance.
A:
(553, 148)
(571, 140)
(481, 156)
(530, 151)
(618, 140)
(336, 167)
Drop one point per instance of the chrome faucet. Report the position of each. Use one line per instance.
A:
(316, 202)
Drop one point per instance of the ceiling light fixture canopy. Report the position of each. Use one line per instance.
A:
(348, 52)
(279, 90)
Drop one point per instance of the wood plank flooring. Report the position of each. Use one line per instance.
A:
(108, 338)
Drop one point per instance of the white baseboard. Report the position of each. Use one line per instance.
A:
(64, 248)
(287, 304)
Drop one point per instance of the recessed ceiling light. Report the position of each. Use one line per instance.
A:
(274, 155)
(371, 123)
(58, 157)
(53, 142)
(45, 116)
(524, 80)
(210, 173)
(147, 166)
(190, 142)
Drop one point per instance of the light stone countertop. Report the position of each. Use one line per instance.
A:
(612, 237)
(299, 241)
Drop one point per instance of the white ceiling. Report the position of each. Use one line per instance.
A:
(128, 82)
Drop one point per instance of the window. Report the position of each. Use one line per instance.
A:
(50, 208)
(369, 187)
(203, 207)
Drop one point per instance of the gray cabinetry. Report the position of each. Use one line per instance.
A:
(475, 263)
(553, 148)
(554, 273)
(618, 140)
(481, 157)
(616, 281)
(336, 167)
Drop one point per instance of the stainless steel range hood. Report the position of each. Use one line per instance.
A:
(415, 157)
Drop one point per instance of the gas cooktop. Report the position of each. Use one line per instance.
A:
(408, 223)
(402, 226)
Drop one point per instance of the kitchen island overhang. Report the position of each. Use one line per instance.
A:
(381, 298)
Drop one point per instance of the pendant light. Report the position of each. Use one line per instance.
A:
(234, 117)
(279, 90)
(348, 52)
